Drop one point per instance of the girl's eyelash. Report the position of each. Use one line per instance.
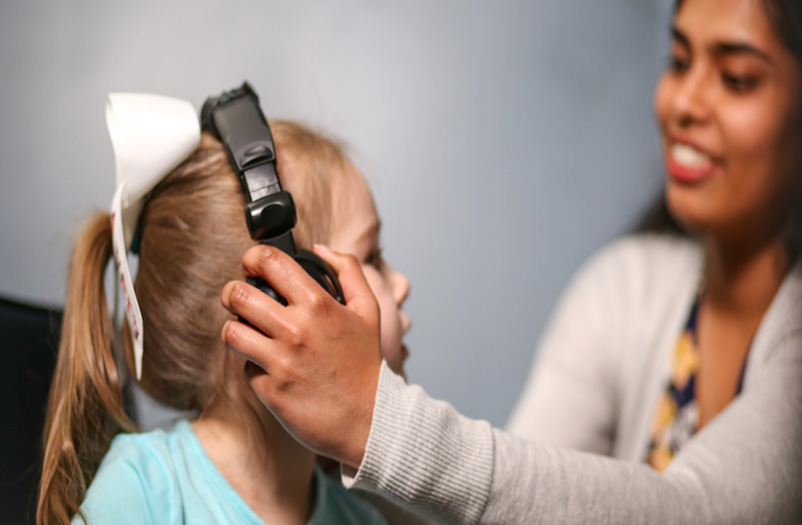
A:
(374, 258)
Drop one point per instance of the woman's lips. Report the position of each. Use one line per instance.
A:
(688, 164)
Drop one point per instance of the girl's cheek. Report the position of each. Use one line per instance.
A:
(370, 277)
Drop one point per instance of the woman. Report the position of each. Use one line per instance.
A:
(673, 363)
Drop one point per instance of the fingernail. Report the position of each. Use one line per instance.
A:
(322, 248)
(223, 331)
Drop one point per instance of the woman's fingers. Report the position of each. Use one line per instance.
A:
(244, 300)
(299, 289)
(284, 274)
(356, 290)
(319, 364)
(247, 342)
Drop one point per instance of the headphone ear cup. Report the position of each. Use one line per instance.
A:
(321, 272)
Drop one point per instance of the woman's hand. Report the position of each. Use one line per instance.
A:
(315, 364)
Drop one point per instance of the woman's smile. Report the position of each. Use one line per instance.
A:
(689, 164)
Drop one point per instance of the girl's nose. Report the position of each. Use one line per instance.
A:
(400, 285)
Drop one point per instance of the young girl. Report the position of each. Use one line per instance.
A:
(233, 462)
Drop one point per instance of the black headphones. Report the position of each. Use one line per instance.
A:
(236, 120)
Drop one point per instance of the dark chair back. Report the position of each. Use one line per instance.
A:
(29, 339)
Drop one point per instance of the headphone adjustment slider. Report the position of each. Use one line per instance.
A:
(270, 216)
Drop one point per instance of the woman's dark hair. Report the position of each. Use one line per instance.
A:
(785, 17)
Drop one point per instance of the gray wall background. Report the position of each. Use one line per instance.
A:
(505, 141)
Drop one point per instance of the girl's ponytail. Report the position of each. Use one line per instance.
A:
(85, 407)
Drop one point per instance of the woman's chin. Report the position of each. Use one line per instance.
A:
(693, 212)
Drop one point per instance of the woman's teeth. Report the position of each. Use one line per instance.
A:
(689, 157)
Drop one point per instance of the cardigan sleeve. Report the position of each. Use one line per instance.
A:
(744, 466)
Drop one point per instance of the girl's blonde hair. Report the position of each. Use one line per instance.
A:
(193, 235)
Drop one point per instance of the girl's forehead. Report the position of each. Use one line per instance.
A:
(353, 206)
(350, 191)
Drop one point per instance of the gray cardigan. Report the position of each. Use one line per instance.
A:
(578, 436)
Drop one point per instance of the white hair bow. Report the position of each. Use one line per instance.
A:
(151, 136)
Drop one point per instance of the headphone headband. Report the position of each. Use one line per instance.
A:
(236, 119)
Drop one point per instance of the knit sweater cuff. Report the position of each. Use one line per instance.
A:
(424, 456)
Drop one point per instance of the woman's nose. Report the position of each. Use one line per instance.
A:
(690, 102)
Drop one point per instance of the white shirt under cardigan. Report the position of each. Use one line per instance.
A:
(602, 363)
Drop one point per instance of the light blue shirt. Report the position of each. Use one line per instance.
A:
(166, 477)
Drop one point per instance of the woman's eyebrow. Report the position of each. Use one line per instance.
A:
(739, 48)
(723, 48)
(679, 36)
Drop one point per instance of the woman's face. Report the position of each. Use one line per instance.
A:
(728, 107)
(357, 232)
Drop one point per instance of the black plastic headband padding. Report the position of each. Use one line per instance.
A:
(270, 216)
(236, 119)
(243, 129)
(260, 181)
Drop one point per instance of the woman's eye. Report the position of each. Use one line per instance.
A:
(739, 83)
(678, 64)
